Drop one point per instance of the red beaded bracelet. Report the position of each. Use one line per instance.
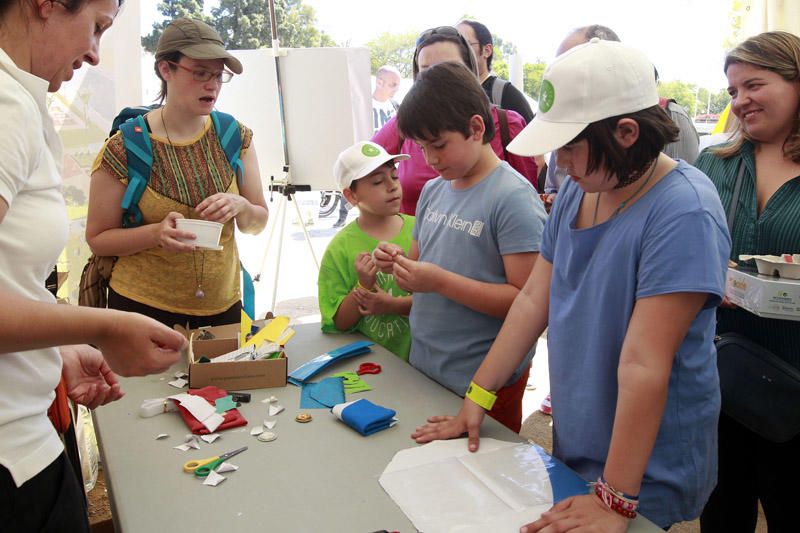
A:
(617, 501)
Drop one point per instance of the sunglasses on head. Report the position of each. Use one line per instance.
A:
(439, 30)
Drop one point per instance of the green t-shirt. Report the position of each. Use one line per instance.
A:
(337, 277)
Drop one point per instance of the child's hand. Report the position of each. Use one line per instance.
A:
(415, 276)
(366, 270)
(374, 303)
(385, 254)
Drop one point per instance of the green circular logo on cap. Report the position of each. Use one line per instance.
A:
(370, 151)
(546, 96)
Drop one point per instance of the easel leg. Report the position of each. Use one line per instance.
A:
(305, 232)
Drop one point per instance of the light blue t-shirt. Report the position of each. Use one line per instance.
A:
(673, 239)
(468, 232)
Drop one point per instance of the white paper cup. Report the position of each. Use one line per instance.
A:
(207, 232)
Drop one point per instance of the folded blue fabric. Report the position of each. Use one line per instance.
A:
(322, 395)
(308, 369)
(364, 416)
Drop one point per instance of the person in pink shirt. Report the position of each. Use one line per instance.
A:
(437, 45)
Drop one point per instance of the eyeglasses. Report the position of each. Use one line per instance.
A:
(439, 30)
(223, 76)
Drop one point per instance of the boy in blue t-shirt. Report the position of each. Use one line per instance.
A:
(353, 294)
(479, 226)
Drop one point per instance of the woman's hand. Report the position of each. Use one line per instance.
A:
(579, 513)
(168, 234)
(89, 379)
(449, 427)
(221, 207)
(366, 269)
(385, 254)
(136, 345)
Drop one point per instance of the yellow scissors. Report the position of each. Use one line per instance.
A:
(203, 467)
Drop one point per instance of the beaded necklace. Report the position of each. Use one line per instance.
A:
(199, 293)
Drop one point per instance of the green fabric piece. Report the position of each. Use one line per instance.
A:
(337, 277)
(352, 382)
(224, 404)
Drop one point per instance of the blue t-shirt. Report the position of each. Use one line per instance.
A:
(468, 231)
(673, 239)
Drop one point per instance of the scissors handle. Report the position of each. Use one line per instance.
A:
(194, 464)
(206, 469)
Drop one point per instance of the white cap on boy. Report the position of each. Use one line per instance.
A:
(359, 160)
(593, 81)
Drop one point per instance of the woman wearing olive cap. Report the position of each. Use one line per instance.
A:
(157, 274)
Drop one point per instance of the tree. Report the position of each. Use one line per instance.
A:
(245, 24)
(396, 49)
(532, 77)
(683, 93)
(172, 9)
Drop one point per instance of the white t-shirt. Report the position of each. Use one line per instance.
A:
(32, 235)
(382, 112)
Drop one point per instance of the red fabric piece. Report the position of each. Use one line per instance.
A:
(233, 418)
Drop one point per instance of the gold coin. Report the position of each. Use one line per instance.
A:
(303, 418)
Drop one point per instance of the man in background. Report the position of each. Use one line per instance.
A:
(387, 81)
(501, 93)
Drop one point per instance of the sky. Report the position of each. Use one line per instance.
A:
(683, 38)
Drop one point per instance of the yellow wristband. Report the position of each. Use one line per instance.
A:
(360, 286)
(481, 396)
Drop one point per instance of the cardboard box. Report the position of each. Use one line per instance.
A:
(764, 296)
(231, 376)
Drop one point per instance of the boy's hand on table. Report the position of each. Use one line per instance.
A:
(89, 379)
(467, 421)
(585, 512)
(416, 276)
(385, 255)
(366, 270)
(135, 345)
(374, 303)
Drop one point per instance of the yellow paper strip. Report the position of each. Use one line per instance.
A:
(270, 332)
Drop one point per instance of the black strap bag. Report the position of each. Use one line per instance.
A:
(759, 389)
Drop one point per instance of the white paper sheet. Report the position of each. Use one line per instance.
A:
(441, 486)
(203, 411)
(226, 467)
(256, 431)
(213, 479)
(211, 437)
(179, 383)
(274, 409)
(269, 424)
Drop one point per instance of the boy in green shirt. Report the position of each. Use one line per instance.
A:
(353, 294)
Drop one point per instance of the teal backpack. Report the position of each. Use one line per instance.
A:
(139, 151)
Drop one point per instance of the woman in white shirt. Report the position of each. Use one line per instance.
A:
(41, 43)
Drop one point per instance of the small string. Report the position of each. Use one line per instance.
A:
(628, 199)
(199, 293)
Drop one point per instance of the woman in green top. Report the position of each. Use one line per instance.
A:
(764, 82)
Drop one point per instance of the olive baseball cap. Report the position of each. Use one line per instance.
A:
(197, 40)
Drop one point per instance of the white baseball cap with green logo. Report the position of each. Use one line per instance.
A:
(591, 82)
(359, 160)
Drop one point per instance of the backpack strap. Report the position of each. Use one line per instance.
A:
(139, 151)
(230, 138)
(505, 137)
(498, 86)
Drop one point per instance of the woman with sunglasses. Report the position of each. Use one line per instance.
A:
(157, 274)
(438, 45)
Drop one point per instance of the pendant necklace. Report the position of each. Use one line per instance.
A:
(628, 199)
(199, 293)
